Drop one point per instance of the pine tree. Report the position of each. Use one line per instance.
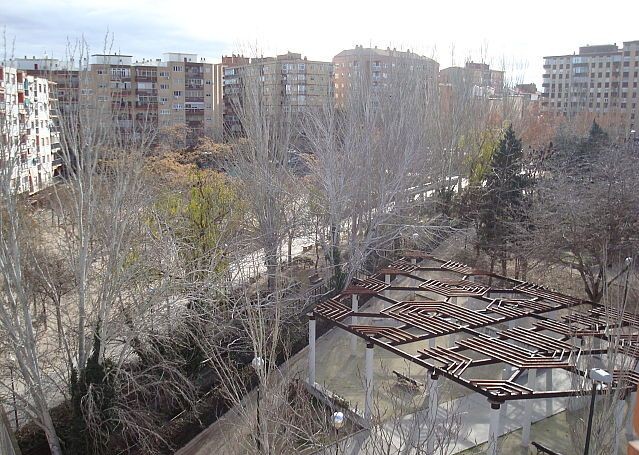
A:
(502, 197)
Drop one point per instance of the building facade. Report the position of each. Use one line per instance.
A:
(376, 66)
(28, 139)
(600, 81)
(288, 80)
(479, 77)
(175, 92)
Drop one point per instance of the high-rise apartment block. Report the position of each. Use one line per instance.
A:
(288, 80)
(175, 91)
(601, 81)
(377, 66)
(28, 138)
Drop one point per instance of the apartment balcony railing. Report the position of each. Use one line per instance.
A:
(146, 105)
(121, 93)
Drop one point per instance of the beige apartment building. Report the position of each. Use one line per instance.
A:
(173, 92)
(288, 80)
(28, 139)
(599, 82)
(377, 66)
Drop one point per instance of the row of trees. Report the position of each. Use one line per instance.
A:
(135, 292)
(570, 204)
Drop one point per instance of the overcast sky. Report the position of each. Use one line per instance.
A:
(512, 34)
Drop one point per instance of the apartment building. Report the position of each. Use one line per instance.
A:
(29, 140)
(288, 80)
(600, 81)
(483, 80)
(175, 91)
(377, 66)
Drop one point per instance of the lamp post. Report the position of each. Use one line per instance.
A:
(258, 363)
(13, 389)
(338, 422)
(598, 377)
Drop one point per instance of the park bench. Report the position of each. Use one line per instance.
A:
(402, 378)
(543, 449)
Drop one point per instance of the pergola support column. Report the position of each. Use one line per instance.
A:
(368, 385)
(493, 429)
(433, 404)
(311, 350)
(548, 389)
(528, 410)
(354, 308)
(631, 399)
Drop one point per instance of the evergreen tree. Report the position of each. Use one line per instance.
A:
(502, 199)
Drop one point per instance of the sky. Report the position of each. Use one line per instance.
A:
(511, 35)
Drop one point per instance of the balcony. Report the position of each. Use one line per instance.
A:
(146, 105)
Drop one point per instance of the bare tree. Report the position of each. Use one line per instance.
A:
(260, 161)
(585, 211)
(370, 157)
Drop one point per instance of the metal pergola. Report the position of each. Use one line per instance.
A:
(454, 317)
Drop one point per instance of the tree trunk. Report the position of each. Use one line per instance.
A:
(49, 430)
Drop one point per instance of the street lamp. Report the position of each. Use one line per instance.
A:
(338, 422)
(258, 363)
(598, 377)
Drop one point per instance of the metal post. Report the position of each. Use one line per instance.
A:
(593, 395)
(354, 320)
(528, 409)
(548, 389)
(493, 429)
(311, 350)
(433, 404)
(368, 385)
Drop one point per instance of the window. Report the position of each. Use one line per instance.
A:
(177, 93)
(177, 68)
(164, 86)
(178, 107)
(164, 112)
(164, 74)
(120, 72)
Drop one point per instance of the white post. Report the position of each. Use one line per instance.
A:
(619, 415)
(433, 404)
(387, 280)
(413, 261)
(368, 385)
(548, 389)
(493, 429)
(528, 409)
(632, 400)
(503, 410)
(354, 320)
(450, 339)
(311, 350)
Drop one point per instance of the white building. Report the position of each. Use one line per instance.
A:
(28, 138)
